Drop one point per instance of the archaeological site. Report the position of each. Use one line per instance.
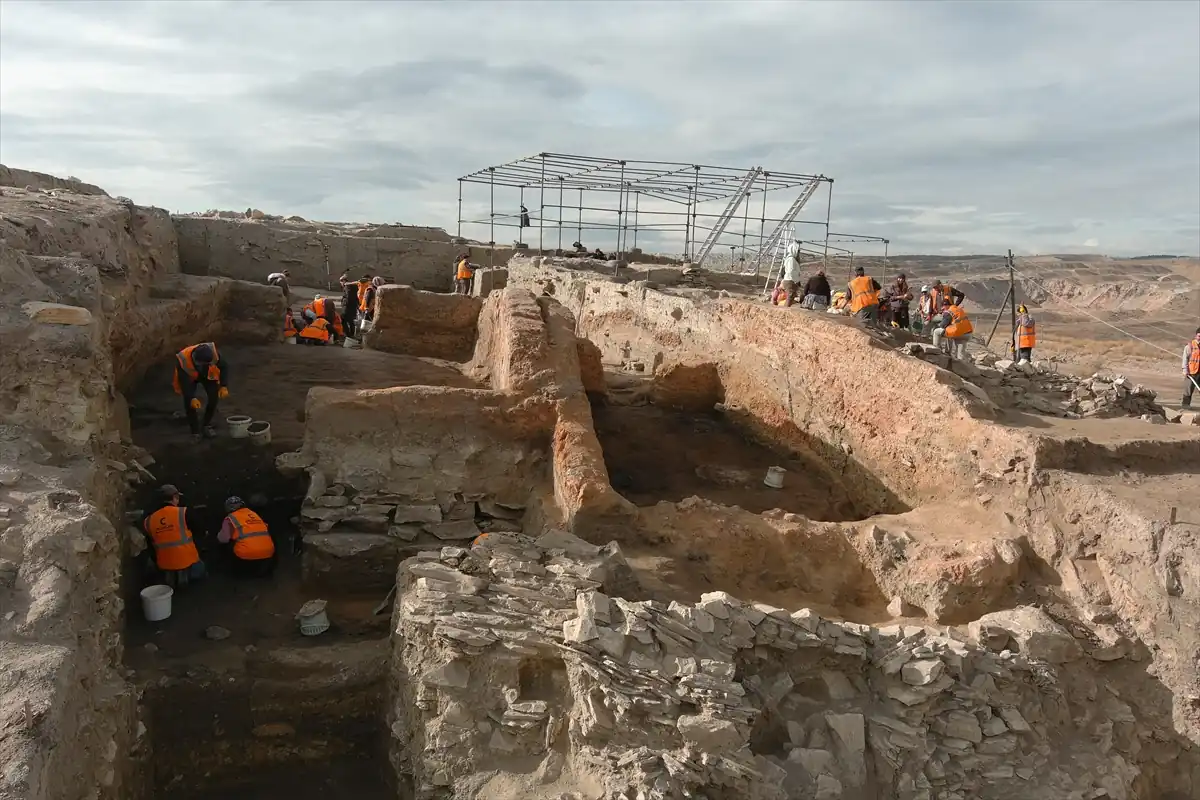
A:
(608, 529)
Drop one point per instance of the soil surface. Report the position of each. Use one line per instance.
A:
(348, 779)
(654, 454)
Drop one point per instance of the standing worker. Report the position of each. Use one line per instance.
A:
(196, 367)
(253, 548)
(1191, 369)
(864, 297)
(174, 550)
(463, 274)
(1026, 335)
(957, 328)
(791, 273)
(901, 298)
(349, 303)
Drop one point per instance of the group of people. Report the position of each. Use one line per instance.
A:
(248, 548)
(320, 321)
(939, 306)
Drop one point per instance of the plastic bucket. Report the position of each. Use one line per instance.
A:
(238, 423)
(156, 602)
(259, 432)
(313, 619)
(774, 477)
(349, 343)
(290, 340)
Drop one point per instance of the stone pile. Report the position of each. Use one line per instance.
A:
(1038, 387)
(523, 650)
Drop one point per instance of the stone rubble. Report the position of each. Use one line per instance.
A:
(1036, 386)
(521, 647)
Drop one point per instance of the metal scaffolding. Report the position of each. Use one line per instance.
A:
(654, 198)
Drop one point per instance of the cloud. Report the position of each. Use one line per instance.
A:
(952, 127)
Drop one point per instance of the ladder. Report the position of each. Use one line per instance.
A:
(777, 259)
(784, 225)
(735, 202)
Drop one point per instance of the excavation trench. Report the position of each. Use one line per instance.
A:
(237, 702)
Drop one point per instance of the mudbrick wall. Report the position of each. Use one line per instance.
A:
(85, 299)
(250, 249)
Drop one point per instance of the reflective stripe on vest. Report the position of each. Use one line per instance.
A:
(1026, 332)
(181, 523)
(252, 527)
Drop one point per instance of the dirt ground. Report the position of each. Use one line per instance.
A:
(655, 454)
(347, 779)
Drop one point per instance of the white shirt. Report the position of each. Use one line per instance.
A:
(276, 276)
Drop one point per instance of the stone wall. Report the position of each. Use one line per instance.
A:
(249, 249)
(516, 652)
(425, 324)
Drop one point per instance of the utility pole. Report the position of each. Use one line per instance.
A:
(1012, 293)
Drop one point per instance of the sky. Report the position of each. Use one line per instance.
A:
(948, 127)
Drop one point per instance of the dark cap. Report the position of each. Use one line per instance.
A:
(168, 491)
(203, 354)
(859, 271)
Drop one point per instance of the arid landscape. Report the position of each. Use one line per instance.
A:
(596, 530)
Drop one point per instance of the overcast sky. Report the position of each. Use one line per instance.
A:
(949, 127)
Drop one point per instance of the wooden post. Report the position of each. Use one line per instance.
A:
(999, 315)
(1012, 293)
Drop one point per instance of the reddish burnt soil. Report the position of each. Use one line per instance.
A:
(654, 454)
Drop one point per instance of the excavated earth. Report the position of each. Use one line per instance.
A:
(552, 569)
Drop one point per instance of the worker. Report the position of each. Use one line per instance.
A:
(1191, 369)
(841, 303)
(349, 304)
(281, 279)
(316, 332)
(323, 307)
(364, 286)
(175, 552)
(956, 328)
(901, 298)
(524, 216)
(463, 273)
(864, 297)
(945, 295)
(196, 367)
(369, 303)
(926, 308)
(817, 293)
(598, 254)
(289, 325)
(253, 548)
(1026, 334)
(791, 273)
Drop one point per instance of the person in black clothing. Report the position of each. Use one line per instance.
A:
(901, 298)
(197, 367)
(817, 292)
(524, 216)
(349, 303)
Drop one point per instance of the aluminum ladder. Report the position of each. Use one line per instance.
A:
(735, 202)
(784, 225)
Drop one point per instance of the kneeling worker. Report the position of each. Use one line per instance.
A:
(253, 548)
(196, 367)
(174, 550)
(316, 332)
(323, 308)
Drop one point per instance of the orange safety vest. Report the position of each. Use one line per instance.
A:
(464, 270)
(173, 545)
(945, 298)
(960, 325)
(289, 325)
(1194, 358)
(184, 357)
(317, 329)
(363, 287)
(1026, 332)
(319, 307)
(250, 537)
(862, 294)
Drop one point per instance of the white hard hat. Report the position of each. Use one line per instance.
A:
(924, 288)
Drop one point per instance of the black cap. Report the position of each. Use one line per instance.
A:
(203, 354)
(859, 271)
(168, 491)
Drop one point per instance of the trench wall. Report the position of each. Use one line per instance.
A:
(251, 249)
(818, 386)
(424, 324)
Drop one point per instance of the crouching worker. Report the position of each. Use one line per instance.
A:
(957, 329)
(289, 325)
(175, 552)
(323, 308)
(253, 549)
(316, 332)
(201, 367)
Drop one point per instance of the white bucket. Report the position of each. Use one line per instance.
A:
(774, 477)
(259, 432)
(238, 423)
(313, 619)
(349, 343)
(290, 340)
(156, 602)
